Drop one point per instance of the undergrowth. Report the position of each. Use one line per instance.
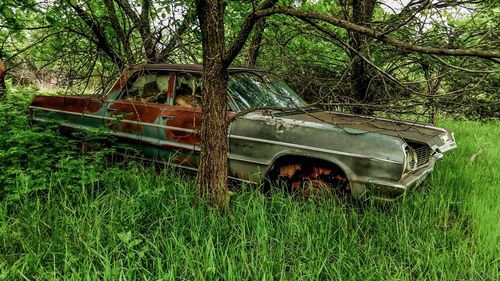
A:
(68, 215)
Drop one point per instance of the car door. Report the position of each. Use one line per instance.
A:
(180, 122)
(133, 115)
(83, 112)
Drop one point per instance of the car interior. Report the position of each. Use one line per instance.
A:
(187, 90)
(153, 87)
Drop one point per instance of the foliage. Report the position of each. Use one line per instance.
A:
(77, 217)
(319, 67)
(51, 44)
(30, 152)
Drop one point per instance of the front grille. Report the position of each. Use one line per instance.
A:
(423, 151)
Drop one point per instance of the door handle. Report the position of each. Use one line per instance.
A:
(111, 109)
(166, 117)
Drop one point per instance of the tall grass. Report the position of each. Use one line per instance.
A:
(90, 220)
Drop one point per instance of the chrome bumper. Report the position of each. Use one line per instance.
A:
(390, 190)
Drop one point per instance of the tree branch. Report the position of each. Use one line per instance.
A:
(374, 34)
(142, 23)
(120, 33)
(38, 41)
(461, 68)
(426, 4)
(26, 28)
(351, 49)
(176, 35)
(254, 48)
(240, 39)
(102, 41)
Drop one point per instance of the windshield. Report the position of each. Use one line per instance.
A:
(250, 90)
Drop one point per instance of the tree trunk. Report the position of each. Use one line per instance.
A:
(254, 49)
(212, 177)
(145, 30)
(128, 58)
(3, 89)
(362, 12)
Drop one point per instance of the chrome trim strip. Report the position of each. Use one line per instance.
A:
(404, 146)
(181, 145)
(152, 140)
(314, 148)
(247, 160)
(113, 119)
(447, 146)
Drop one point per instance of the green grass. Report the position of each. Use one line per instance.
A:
(76, 217)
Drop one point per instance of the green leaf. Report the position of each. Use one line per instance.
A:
(125, 237)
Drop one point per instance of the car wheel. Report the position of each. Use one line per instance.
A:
(311, 188)
(309, 178)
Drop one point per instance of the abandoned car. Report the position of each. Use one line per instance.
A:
(157, 107)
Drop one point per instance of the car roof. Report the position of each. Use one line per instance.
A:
(196, 68)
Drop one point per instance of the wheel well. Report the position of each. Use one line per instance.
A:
(290, 166)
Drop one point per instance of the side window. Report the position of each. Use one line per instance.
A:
(187, 90)
(147, 87)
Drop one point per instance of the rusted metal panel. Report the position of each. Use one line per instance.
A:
(182, 117)
(140, 113)
(179, 135)
(171, 82)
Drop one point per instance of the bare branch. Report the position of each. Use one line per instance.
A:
(142, 23)
(120, 33)
(254, 49)
(176, 35)
(375, 34)
(426, 4)
(462, 68)
(25, 28)
(240, 39)
(102, 41)
(38, 41)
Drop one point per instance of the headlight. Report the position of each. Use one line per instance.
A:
(445, 137)
(411, 162)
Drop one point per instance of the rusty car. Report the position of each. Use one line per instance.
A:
(158, 107)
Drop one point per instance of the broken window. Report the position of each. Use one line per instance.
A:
(187, 90)
(150, 87)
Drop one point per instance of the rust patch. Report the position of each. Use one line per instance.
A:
(82, 104)
(133, 111)
(49, 102)
(171, 79)
(182, 117)
(122, 80)
(2, 68)
(289, 170)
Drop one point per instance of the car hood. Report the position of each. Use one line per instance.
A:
(436, 137)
